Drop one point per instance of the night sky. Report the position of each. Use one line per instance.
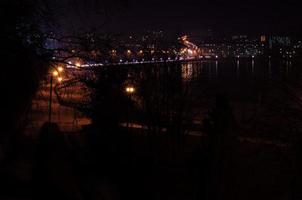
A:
(192, 16)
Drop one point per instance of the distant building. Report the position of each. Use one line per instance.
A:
(277, 41)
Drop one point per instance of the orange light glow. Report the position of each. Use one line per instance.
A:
(78, 64)
(55, 73)
(60, 69)
(130, 89)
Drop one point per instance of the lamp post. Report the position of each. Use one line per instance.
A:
(55, 73)
(129, 90)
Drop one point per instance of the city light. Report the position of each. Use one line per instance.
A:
(130, 89)
(78, 64)
(60, 69)
(55, 73)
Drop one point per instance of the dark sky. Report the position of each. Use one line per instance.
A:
(229, 16)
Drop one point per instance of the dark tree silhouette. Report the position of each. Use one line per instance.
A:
(220, 127)
(24, 62)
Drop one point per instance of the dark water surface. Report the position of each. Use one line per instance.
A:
(258, 91)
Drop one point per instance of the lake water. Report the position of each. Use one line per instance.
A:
(259, 91)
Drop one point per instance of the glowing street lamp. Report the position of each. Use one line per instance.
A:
(78, 64)
(130, 89)
(60, 69)
(55, 73)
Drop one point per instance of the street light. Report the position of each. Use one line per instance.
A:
(78, 64)
(55, 73)
(130, 89)
(60, 69)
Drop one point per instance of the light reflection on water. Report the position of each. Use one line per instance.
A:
(233, 77)
(167, 89)
(186, 71)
